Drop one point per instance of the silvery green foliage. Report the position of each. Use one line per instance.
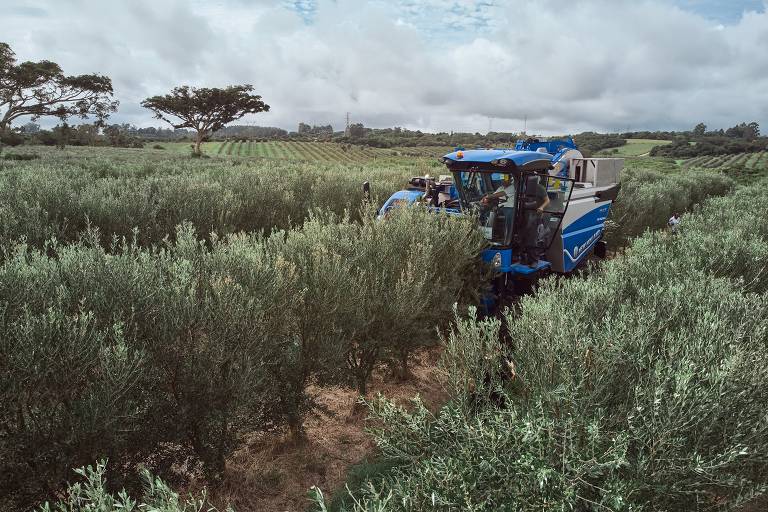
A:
(638, 388)
(91, 495)
(60, 195)
(368, 292)
(648, 199)
(111, 354)
(410, 271)
(113, 351)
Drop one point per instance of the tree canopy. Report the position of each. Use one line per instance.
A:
(39, 89)
(203, 109)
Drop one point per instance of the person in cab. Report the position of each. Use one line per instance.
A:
(535, 202)
(506, 195)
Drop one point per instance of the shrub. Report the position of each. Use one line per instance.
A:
(69, 394)
(10, 138)
(21, 156)
(140, 347)
(649, 198)
(93, 496)
(366, 293)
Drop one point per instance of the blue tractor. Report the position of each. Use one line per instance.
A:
(542, 206)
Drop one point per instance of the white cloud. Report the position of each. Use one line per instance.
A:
(567, 66)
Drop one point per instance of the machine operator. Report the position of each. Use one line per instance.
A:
(506, 191)
(536, 200)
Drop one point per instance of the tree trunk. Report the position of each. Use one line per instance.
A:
(403, 371)
(2, 132)
(362, 384)
(198, 141)
(362, 388)
(296, 427)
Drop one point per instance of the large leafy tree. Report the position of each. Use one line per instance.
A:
(203, 109)
(40, 89)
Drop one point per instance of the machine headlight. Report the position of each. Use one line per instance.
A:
(502, 162)
(496, 260)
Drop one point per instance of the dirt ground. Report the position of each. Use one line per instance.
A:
(271, 474)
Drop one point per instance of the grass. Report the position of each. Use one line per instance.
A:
(633, 147)
(756, 160)
(654, 163)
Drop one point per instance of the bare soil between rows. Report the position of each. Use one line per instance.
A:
(273, 474)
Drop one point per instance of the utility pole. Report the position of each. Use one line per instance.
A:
(346, 130)
(525, 124)
(490, 124)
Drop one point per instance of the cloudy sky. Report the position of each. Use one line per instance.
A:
(462, 65)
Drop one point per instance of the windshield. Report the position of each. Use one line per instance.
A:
(492, 197)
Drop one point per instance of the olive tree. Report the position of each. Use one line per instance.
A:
(204, 109)
(93, 494)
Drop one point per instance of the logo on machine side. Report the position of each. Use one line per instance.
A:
(579, 249)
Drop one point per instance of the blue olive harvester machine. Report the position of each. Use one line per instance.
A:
(524, 242)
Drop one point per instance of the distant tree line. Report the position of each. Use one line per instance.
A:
(741, 138)
(90, 134)
(250, 132)
(591, 142)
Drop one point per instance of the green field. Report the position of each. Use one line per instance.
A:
(747, 160)
(743, 167)
(328, 152)
(633, 147)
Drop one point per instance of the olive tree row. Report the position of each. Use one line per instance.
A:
(198, 342)
(149, 194)
(649, 198)
(649, 395)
